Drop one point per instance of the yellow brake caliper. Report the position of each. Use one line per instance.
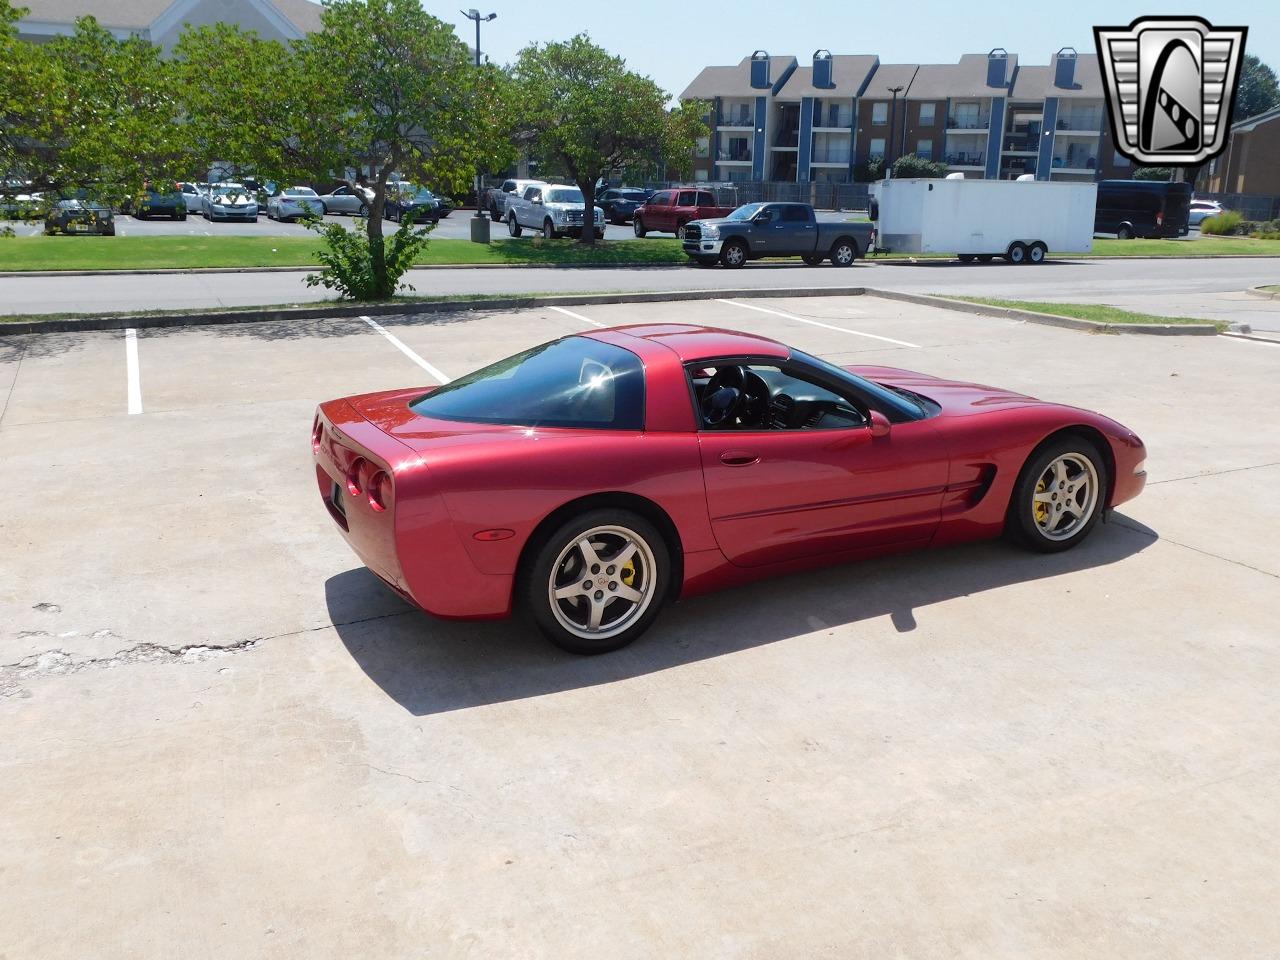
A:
(629, 573)
(1041, 509)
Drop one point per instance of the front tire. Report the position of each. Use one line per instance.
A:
(1059, 497)
(548, 230)
(1125, 232)
(734, 254)
(513, 227)
(1017, 253)
(637, 225)
(598, 582)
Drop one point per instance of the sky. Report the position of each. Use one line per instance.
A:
(671, 40)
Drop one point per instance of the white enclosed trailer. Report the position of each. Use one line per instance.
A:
(1020, 220)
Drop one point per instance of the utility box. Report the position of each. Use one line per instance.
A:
(984, 218)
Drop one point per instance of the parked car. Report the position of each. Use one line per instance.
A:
(1201, 210)
(499, 197)
(354, 201)
(18, 204)
(230, 201)
(620, 203)
(667, 211)
(295, 202)
(192, 195)
(160, 203)
(403, 198)
(556, 209)
(80, 216)
(525, 485)
(1151, 209)
(758, 230)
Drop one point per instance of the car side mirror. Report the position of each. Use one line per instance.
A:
(879, 424)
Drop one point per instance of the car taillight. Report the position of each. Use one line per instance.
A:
(1160, 218)
(380, 491)
(356, 476)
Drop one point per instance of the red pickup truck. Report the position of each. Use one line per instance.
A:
(667, 211)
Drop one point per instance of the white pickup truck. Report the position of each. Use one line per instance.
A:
(553, 208)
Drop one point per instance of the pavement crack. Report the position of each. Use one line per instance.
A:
(1119, 522)
(17, 370)
(57, 662)
(1213, 473)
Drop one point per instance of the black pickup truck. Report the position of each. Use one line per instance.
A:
(758, 230)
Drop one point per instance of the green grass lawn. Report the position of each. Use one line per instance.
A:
(151, 253)
(1084, 311)
(186, 252)
(1273, 288)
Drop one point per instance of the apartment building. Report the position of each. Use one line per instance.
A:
(985, 116)
(1248, 165)
(162, 21)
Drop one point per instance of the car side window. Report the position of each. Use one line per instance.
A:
(685, 199)
(509, 186)
(795, 214)
(533, 194)
(767, 215)
(706, 200)
(766, 396)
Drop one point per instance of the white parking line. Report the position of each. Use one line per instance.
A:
(816, 323)
(577, 316)
(131, 366)
(400, 345)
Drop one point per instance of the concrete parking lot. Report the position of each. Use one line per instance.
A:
(222, 733)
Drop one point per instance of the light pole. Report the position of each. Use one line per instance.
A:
(479, 222)
(893, 123)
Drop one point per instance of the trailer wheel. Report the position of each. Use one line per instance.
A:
(1017, 253)
(965, 257)
(986, 257)
(1037, 252)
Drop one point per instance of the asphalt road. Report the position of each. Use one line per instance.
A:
(1211, 288)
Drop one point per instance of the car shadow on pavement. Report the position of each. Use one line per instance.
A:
(435, 666)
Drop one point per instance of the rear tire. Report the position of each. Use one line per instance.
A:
(573, 562)
(734, 254)
(965, 257)
(1017, 253)
(679, 231)
(1125, 232)
(638, 226)
(1059, 497)
(844, 252)
(1037, 252)
(513, 227)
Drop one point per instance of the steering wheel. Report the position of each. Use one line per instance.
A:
(724, 396)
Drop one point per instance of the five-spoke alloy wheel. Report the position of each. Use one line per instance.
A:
(599, 581)
(1059, 496)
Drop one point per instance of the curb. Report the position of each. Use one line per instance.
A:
(1263, 294)
(343, 310)
(1049, 319)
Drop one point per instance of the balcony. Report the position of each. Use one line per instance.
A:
(733, 156)
(1022, 143)
(832, 155)
(968, 124)
(1084, 163)
(787, 139)
(1089, 125)
(971, 161)
(744, 120)
(833, 119)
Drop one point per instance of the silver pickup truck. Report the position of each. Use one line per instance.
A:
(553, 208)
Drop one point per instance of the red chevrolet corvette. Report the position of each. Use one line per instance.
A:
(595, 478)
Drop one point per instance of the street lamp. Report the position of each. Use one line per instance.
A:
(479, 223)
(893, 123)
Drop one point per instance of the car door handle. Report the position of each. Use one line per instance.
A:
(738, 458)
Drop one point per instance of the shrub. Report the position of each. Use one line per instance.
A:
(1222, 224)
(348, 261)
(868, 171)
(1153, 173)
(910, 165)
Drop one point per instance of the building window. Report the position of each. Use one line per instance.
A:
(1119, 159)
(924, 148)
(879, 114)
(877, 149)
(704, 147)
(926, 114)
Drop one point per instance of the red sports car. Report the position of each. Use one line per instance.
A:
(593, 479)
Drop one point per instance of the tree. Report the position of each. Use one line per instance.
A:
(385, 90)
(1153, 173)
(1259, 90)
(30, 96)
(585, 113)
(869, 171)
(911, 165)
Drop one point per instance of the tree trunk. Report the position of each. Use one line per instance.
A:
(588, 235)
(377, 245)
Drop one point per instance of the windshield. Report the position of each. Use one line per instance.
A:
(220, 188)
(424, 195)
(746, 211)
(574, 382)
(300, 192)
(636, 195)
(564, 196)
